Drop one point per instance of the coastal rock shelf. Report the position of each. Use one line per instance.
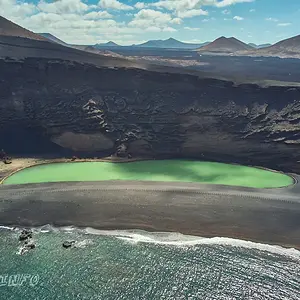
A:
(61, 107)
(165, 171)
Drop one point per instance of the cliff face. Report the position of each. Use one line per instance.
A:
(52, 106)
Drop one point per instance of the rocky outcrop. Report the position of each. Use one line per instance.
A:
(68, 244)
(27, 242)
(51, 106)
(26, 234)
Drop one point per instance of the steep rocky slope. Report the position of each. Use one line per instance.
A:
(52, 38)
(9, 28)
(288, 48)
(53, 106)
(287, 45)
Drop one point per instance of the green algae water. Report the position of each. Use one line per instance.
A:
(164, 170)
(141, 265)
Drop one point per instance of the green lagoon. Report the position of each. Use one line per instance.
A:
(157, 170)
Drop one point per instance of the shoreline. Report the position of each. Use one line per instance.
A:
(161, 238)
(260, 215)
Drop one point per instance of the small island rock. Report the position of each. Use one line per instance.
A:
(25, 234)
(68, 244)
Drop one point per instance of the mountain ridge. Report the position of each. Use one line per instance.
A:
(259, 46)
(108, 44)
(287, 48)
(225, 45)
(163, 44)
(170, 43)
(290, 44)
(8, 28)
(52, 38)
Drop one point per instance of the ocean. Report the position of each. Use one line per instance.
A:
(141, 265)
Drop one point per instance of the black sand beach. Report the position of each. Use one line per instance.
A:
(263, 215)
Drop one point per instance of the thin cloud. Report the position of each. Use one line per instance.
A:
(226, 12)
(271, 19)
(238, 18)
(191, 28)
(284, 24)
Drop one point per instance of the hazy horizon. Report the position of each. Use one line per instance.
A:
(128, 22)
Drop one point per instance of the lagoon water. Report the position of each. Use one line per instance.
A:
(164, 170)
(141, 265)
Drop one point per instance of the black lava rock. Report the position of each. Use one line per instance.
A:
(30, 246)
(68, 244)
(25, 235)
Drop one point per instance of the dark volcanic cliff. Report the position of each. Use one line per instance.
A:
(47, 106)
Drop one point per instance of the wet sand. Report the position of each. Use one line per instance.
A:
(265, 215)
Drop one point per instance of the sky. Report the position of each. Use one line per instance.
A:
(128, 22)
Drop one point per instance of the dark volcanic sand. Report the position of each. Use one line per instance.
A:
(265, 215)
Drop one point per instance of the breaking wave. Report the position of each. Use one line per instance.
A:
(166, 238)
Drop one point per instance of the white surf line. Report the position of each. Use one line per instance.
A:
(165, 238)
(178, 239)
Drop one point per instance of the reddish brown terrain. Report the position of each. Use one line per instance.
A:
(286, 48)
(289, 48)
(225, 45)
(9, 28)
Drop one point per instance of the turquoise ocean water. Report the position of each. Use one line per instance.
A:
(141, 265)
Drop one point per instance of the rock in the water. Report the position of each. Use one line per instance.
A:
(28, 243)
(68, 244)
(25, 235)
(30, 246)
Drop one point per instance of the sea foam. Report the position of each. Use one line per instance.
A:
(167, 239)
(178, 239)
